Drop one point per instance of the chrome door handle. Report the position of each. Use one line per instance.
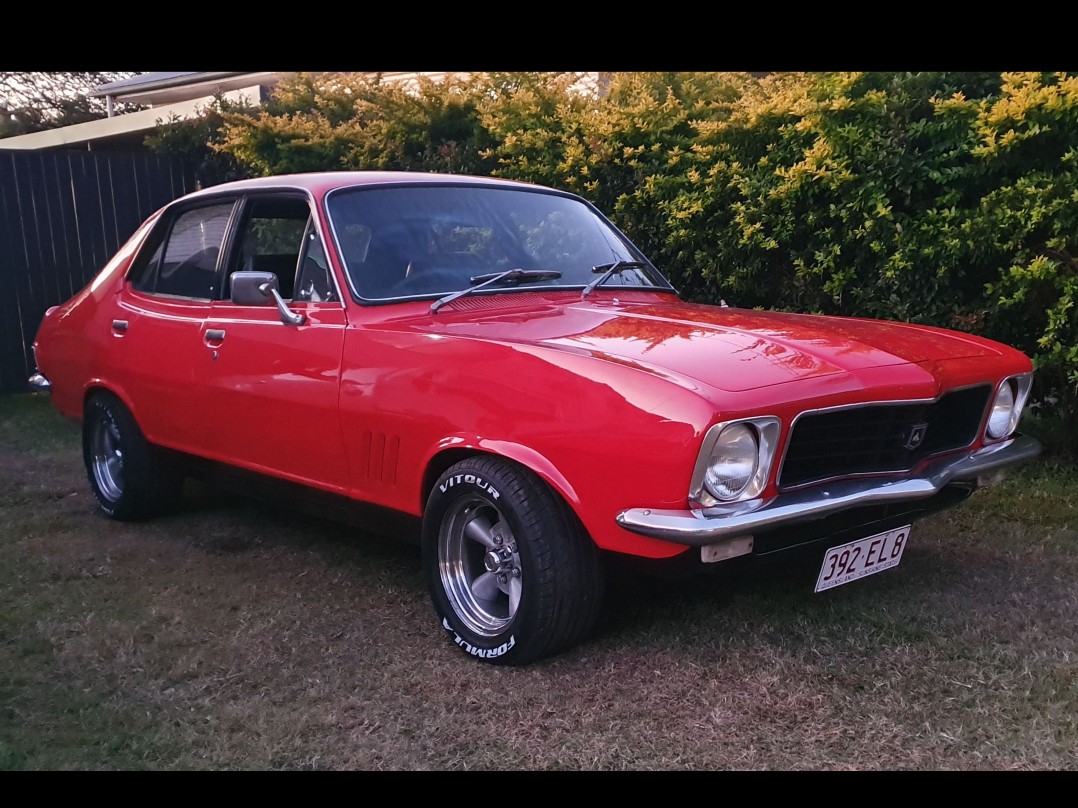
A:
(215, 334)
(119, 325)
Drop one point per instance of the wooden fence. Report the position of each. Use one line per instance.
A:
(62, 216)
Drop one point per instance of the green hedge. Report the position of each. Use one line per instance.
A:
(941, 198)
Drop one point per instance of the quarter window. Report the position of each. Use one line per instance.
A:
(313, 281)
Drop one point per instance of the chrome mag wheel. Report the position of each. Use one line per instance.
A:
(107, 458)
(479, 565)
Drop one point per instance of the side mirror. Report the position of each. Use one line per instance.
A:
(253, 288)
(262, 289)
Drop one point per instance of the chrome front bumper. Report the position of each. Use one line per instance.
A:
(40, 384)
(697, 528)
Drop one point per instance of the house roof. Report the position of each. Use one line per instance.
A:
(170, 88)
(150, 80)
(168, 96)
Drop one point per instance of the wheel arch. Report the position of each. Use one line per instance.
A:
(97, 385)
(522, 455)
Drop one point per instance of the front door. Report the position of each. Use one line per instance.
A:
(272, 386)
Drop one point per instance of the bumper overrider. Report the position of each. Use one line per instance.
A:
(39, 384)
(738, 522)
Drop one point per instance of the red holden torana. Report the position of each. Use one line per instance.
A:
(497, 363)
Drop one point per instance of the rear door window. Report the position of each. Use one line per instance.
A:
(185, 263)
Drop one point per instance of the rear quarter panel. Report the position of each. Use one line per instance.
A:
(73, 341)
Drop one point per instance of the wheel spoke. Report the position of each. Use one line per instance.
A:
(514, 588)
(486, 587)
(479, 529)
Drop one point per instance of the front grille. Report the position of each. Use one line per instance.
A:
(876, 438)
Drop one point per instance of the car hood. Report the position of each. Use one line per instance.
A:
(727, 348)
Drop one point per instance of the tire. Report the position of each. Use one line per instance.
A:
(129, 477)
(512, 573)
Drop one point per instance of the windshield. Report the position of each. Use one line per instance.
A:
(427, 240)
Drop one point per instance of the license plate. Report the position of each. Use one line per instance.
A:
(856, 559)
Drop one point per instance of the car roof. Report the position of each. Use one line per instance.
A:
(321, 182)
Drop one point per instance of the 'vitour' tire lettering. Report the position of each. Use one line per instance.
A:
(469, 479)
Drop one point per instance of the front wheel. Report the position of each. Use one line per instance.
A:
(511, 572)
(128, 475)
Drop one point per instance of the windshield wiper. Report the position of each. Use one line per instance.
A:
(513, 275)
(608, 270)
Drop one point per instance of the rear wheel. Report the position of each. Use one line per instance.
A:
(128, 475)
(512, 574)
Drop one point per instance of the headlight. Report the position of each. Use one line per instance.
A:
(734, 461)
(1002, 408)
(1007, 406)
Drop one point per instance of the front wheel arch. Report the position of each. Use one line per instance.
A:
(517, 453)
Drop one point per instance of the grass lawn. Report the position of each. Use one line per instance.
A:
(232, 635)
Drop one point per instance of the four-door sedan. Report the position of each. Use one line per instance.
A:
(496, 362)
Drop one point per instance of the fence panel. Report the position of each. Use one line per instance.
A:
(62, 216)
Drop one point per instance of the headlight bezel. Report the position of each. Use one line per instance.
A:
(1019, 386)
(765, 431)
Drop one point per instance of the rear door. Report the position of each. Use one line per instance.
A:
(158, 322)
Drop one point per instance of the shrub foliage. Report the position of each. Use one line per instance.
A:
(948, 199)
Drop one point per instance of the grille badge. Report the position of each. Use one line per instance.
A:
(916, 436)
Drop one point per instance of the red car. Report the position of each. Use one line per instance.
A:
(496, 362)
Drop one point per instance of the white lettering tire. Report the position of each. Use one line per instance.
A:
(512, 574)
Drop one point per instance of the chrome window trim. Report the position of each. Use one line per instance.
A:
(312, 207)
(167, 220)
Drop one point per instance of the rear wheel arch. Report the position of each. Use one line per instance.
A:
(98, 386)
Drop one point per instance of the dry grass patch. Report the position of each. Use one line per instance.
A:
(235, 636)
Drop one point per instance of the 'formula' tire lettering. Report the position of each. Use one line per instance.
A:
(482, 653)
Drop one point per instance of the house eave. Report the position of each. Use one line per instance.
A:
(141, 122)
(178, 87)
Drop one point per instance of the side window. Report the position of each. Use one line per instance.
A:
(144, 273)
(185, 265)
(273, 238)
(313, 281)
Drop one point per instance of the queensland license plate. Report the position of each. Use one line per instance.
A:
(856, 559)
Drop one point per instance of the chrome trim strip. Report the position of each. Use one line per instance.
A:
(40, 384)
(699, 527)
